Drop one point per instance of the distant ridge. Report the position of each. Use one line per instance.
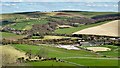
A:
(45, 11)
(70, 11)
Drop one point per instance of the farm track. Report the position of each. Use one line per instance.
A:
(88, 58)
(73, 63)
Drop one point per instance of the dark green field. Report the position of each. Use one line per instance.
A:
(49, 63)
(94, 62)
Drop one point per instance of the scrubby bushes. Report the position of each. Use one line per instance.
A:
(81, 20)
(107, 17)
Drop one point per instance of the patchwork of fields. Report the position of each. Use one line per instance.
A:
(35, 28)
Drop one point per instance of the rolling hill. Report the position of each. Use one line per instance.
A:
(108, 29)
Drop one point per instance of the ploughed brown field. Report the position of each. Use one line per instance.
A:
(107, 29)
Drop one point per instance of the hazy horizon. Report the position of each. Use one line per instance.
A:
(15, 7)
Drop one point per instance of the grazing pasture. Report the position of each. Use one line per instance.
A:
(49, 63)
(11, 36)
(74, 57)
(54, 51)
(94, 61)
(26, 25)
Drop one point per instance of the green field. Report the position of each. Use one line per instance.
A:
(26, 25)
(74, 29)
(13, 36)
(73, 57)
(94, 62)
(49, 63)
(55, 52)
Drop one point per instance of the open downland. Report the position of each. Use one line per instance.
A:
(75, 29)
(74, 57)
(23, 25)
(94, 62)
(55, 52)
(49, 63)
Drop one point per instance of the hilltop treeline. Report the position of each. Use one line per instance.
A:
(100, 18)
(81, 20)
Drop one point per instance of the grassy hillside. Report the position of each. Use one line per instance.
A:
(74, 29)
(26, 25)
(12, 36)
(74, 57)
(55, 52)
(49, 63)
(94, 62)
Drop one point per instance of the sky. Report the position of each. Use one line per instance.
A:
(59, 0)
(28, 6)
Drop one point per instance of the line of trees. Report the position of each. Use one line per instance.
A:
(107, 17)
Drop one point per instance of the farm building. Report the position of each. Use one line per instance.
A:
(64, 26)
